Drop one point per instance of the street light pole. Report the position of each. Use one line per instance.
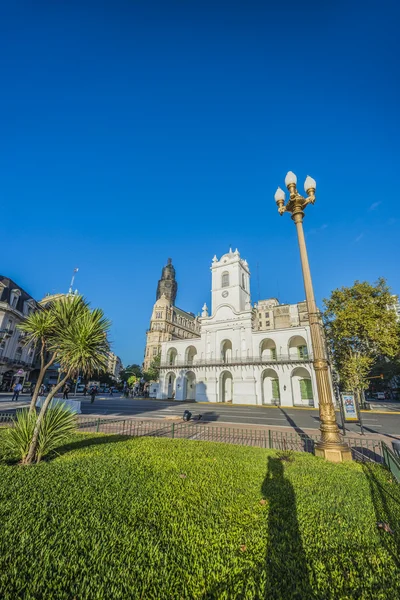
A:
(331, 446)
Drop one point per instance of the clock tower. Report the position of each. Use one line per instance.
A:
(167, 285)
(230, 282)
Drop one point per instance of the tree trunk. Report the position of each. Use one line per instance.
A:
(43, 369)
(32, 448)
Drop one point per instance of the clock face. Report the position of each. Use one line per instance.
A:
(225, 294)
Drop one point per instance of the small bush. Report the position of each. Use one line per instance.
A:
(56, 427)
(18, 438)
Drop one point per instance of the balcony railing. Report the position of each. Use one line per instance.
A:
(17, 362)
(6, 332)
(247, 360)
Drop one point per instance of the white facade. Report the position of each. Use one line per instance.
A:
(233, 361)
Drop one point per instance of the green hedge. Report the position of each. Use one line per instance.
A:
(157, 518)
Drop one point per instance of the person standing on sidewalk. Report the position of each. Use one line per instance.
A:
(66, 391)
(93, 393)
(17, 390)
(85, 389)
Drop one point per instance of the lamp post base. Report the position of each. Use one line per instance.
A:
(333, 452)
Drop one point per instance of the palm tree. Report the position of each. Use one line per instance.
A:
(79, 343)
(41, 329)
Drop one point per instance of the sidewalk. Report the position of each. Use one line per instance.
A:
(111, 422)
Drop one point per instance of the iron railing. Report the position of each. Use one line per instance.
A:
(391, 461)
(14, 361)
(239, 360)
(363, 449)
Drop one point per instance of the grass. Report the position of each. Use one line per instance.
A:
(146, 518)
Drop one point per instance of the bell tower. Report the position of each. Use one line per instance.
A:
(167, 285)
(230, 282)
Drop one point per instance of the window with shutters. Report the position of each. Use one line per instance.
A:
(302, 351)
(306, 389)
(275, 389)
(225, 279)
(273, 353)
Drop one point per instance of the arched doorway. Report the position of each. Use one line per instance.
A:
(226, 351)
(226, 387)
(298, 348)
(171, 356)
(270, 387)
(190, 355)
(268, 350)
(190, 386)
(302, 389)
(171, 381)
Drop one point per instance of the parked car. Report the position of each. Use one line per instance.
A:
(79, 388)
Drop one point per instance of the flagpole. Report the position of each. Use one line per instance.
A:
(71, 289)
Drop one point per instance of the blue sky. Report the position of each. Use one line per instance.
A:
(136, 131)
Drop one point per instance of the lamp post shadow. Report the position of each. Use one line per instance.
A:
(285, 562)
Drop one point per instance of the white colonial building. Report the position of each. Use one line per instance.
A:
(244, 354)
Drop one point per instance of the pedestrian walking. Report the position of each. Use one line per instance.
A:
(93, 393)
(111, 391)
(66, 391)
(85, 389)
(17, 390)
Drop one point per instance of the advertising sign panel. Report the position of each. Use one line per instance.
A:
(349, 407)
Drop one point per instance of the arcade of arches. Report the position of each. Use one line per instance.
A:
(272, 386)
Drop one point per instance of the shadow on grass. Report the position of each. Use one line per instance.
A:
(285, 561)
(85, 442)
(387, 510)
(284, 573)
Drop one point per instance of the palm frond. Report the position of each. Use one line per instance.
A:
(56, 427)
(18, 438)
(83, 345)
(39, 325)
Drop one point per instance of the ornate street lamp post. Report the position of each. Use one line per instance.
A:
(331, 445)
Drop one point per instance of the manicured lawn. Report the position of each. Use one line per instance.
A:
(159, 518)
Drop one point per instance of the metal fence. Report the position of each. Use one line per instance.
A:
(363, 449)
(391, 461)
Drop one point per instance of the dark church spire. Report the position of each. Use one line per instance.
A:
(167, 284)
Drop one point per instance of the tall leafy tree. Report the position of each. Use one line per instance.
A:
(78, 341)
(153, 373)
(361, 328)
(130, 370)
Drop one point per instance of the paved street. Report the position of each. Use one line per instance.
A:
(387, 424)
